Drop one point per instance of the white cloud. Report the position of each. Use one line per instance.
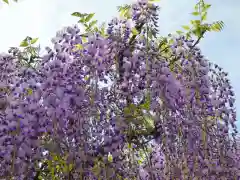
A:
(19, 20)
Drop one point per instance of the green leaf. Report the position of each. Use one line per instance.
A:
(149, 123)
(84, 39)
(89, 17)
(217, 26)
(70, 167)
(91, 24)
(124, 10)
(78, 47)
(6, 1)
(206, 7)
(204, 16)
(124, 7)
(102, 29)
(196, 7)
(29, 91)
(122, 13)
(197, 32)
(128, 15)
(34, 40)
(171, 41)
(110, 158)
(55, 158)
(206, 27)
(52, 172)
(146, 104)
(129, 146)
(86, 26)
(95, 29)
(24, 44)
(186, 27)
(81, 20)
(188, 35)
(140, 161)
(96, 169)
(135, 31)
(179, 32)
(195, 13)
(195, 22)
(78, 14)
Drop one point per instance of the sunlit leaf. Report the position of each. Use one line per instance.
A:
(195, 13)
(196, 7)
(102, 29)
(91, 24)
(89, 17)
(78, 14)
(140, 161)
(195, 22)
(34, 40)
(84, 39)
(6, 1)
(135, 31)
(78, 47)
(124, 7)
(95, 29)
(148, 122)
(217, 26)
(206, 7)
(110, 158)
(186, 27)
(24, 44)
(204, 16)
(82, 20)
(124, 11)
(29, 91)
(197, 32)
(179, 32)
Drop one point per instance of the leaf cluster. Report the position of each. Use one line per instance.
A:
(7, 1)
(89, 23)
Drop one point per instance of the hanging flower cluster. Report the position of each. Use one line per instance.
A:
(88, 104)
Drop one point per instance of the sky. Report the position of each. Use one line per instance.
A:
(42, 18)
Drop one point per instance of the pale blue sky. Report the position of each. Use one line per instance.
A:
(42, 18)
